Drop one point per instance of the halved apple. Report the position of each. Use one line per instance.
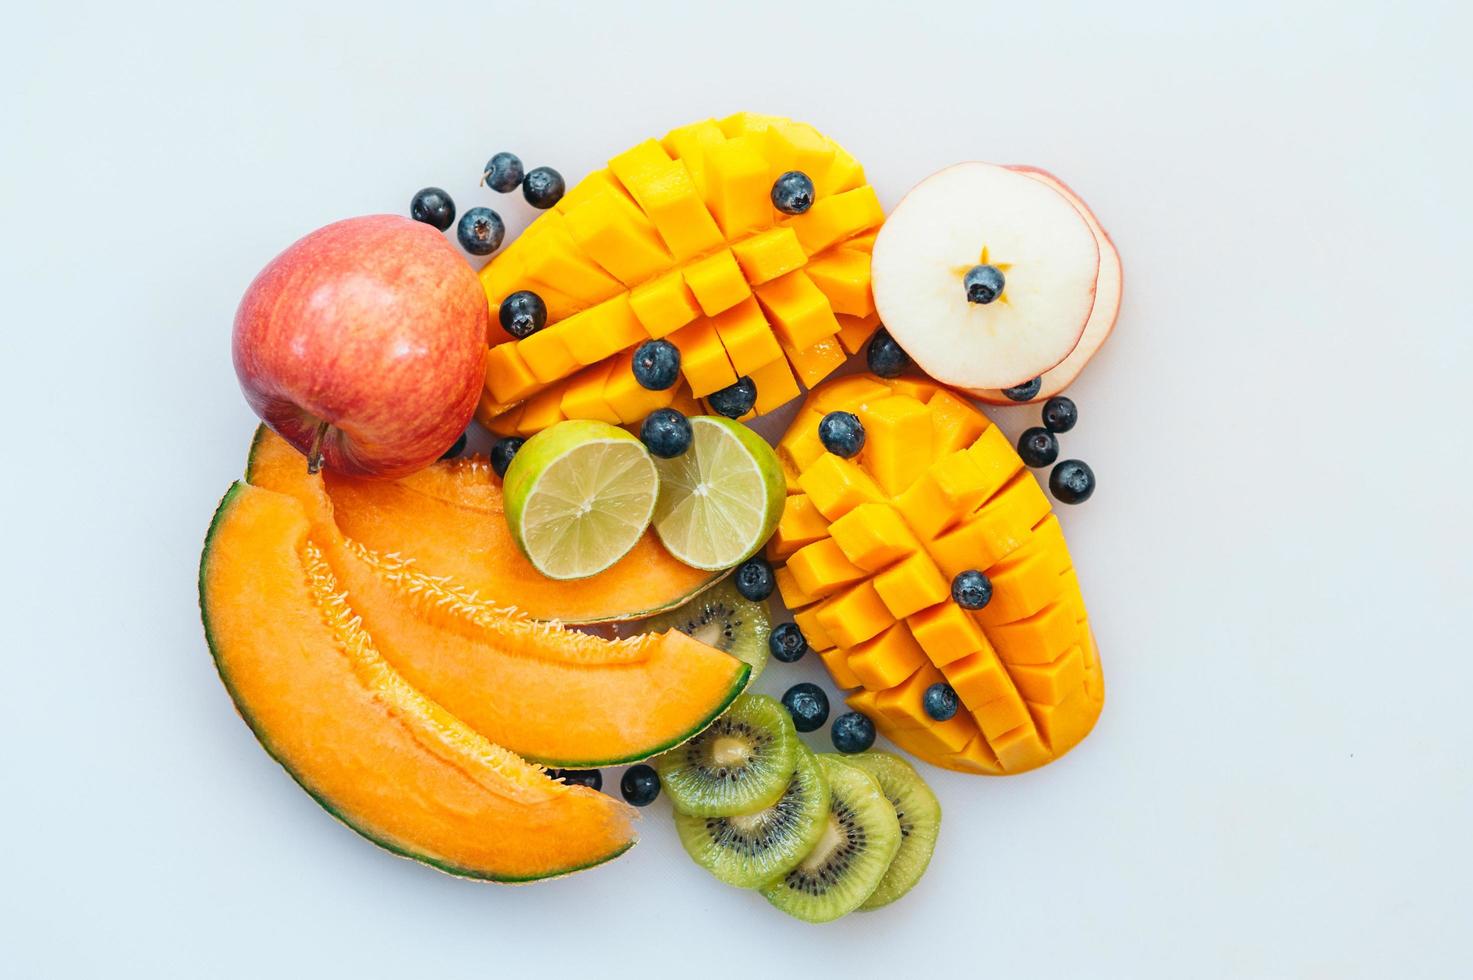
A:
(975, 214)
(1101, 319)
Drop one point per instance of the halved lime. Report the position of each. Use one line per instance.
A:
(578, 496)
(721, 499)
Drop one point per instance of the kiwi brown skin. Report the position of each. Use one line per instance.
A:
(860, 839)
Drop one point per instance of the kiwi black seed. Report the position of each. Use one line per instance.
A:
(722, 618)
(739, 765)
(919, 813)
(859, 840)
(747, 851)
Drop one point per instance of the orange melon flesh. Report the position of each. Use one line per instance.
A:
(387, 761)
(936, 490)
(556, 696)
(449, 517)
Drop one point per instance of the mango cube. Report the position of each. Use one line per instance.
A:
(955, 423)
(625, 396)
(912, 584)
(615, 234)
(702, 358)
(508, 378)
(947, 633)
(664, 304)
(800, 524)
(897, 446)
(546, 353)
(775, 385)
(583, 395)
(717, 282)
(748, 340)
(816, 362)
(669, 197)
(1051, 683)
(813, 629)
(886, 660)
(837, 662)
(541, 410)
(768, 255)
(833, 219)
(1003, 525)
(787, 587)
(601, 331)
(855, 332)
(979, 678)
(836, 486)
(843, 275)
(873, 535)
(736, 186)
(798, 310)
(820, 568)
(854, 616)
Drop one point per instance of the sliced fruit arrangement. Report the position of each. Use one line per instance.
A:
(393, 765)
(818, 836)
(745, 243)
(553, 695)
(450, 518)
(918, 551)
(991, 276)
(1102, 316)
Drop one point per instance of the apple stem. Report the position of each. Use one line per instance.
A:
(314, 454)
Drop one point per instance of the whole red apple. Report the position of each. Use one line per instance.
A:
(363, 343)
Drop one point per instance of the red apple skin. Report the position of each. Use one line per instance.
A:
(374, 325)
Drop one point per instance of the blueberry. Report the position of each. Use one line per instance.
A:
(456, 448)
(666, 433)
(754, 579)
(1024, 391)
(841, 434)
(971, 589)
(1060, 414)
(808, 705)
(1072, 482)
(940, 702)
(640, 785)
(434, 207)
(852, 733)
(656, 364)
(522, 314)
(792, 193)
(543, 187)
(480, 231)
(984, 283)
(885, 356)
(787, 643)
(503, 451)
(735, 400)
(1038, 446)
(503, 172)
(592, 778)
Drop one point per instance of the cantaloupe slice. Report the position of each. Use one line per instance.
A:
(871, 545)
(378, 755)
(556, 696)
(449, 518)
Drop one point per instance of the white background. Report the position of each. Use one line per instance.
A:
(1277, 560)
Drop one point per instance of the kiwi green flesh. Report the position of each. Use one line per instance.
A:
(723, 618)
(854, 850)
(741, 764)
(919, 813)
(747, 851)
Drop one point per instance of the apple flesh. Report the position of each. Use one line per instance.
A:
(363, 345)
(983, 213)
(1108, 291)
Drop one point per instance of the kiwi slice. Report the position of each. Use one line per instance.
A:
(747, 851)
(741, 764)
(854, 850)
(723, 618)
(919, 813)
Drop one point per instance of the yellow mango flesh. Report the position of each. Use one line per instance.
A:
(678, 239)
(870, 546)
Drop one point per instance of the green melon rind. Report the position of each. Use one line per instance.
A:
(627, 616)
(368, 834)
(738, 686)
